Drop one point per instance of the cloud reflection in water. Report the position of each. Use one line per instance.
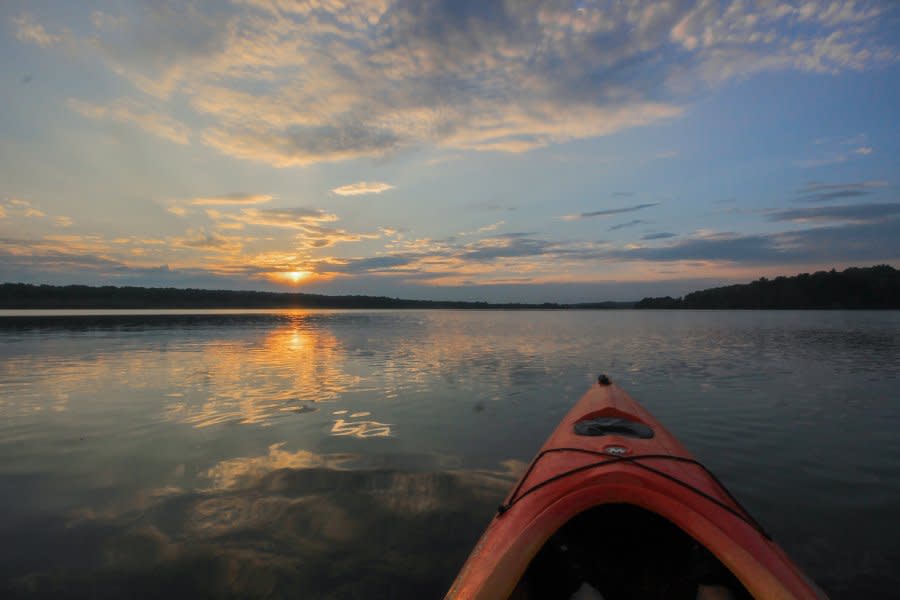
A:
(279, 525)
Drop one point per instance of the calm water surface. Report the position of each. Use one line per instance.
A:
(329, 454)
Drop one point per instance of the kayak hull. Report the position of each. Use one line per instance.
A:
(574, 473)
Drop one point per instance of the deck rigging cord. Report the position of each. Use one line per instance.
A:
(635, 460)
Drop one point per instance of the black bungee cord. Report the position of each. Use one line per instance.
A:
(635, 460)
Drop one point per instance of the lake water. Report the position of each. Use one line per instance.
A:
(359, 454)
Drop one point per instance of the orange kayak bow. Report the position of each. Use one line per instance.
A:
(613, 506)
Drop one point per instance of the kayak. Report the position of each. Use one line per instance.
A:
(614, 507)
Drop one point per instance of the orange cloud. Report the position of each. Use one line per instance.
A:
(136, 113)
(29, 30)
(363, 187)
(231, 200)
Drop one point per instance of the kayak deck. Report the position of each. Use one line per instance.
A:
(614, 480)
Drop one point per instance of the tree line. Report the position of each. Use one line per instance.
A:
(24, 295)
(875, 287)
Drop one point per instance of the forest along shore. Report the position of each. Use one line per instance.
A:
(876, 287)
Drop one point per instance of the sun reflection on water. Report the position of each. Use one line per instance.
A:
(234, 472)
(360, 429)
(254, 381)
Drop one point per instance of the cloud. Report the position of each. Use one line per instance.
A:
(16, 207)
(106, 22)
(236, 199)
(485, 229)
(608, 211)
(659, 236)
(510, 247)
(300, 145)
(723, 247)
(848, 243)
(136, 113)
(853, 213)
(823, 192)
(210, 240)
(178, 210)
(840, 149)
(309, 223)
(181, 207)
(627, 224)
(291, 218)
(363, 187)
(525, 258)
(48, 255)
(490, 206)
(296, 83)
(29, 30)
(373, 264)
(69, 261)
(325, 237)
(830, 159)
(516, 256)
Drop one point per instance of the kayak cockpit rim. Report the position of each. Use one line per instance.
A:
(513, 560)
(638, 460)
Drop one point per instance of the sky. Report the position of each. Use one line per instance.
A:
(447, 149)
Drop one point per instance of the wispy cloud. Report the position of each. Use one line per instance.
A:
(289, 218)
(29, 30)
(235, 199)
(608, 211)
(134, 112)
(852, 213)
(312, 233)
(210, 240)
(873, 241)
(490, 206)
(485, 229)
(16, 207)
(362, 188)
(823, 192)
(627, 224)
(839, 150)
(662, 235)
(533, 259)
(823, 161)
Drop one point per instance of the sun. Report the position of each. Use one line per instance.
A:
(291, 277)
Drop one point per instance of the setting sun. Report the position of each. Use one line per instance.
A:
(291, 277)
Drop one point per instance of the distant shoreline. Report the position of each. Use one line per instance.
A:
(21, 296)
(864, 288)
